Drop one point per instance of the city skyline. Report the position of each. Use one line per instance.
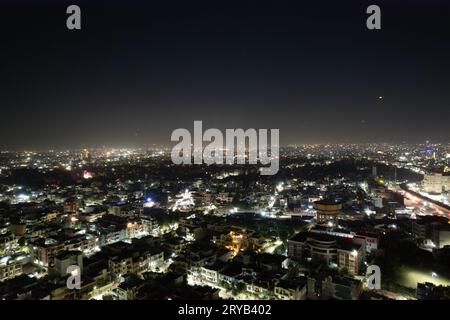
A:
(136, 226)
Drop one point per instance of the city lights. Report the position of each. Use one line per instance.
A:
(225, 158)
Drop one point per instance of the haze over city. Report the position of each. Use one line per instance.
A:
(135, 72)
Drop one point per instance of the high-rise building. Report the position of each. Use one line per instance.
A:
(374, 172)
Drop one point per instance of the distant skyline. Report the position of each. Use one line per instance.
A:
(168, 147)
(137, 70)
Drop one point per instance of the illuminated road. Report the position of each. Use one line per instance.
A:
(271, 248)
(419, 200)
(410, 278)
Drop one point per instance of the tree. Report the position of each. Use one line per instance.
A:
(344, 271)
(238, 288)
(225, 285)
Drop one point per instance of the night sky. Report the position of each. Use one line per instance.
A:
(140, 69)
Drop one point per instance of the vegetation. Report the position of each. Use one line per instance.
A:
(400, 254)
(238, 288)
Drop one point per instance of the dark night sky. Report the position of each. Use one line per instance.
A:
(140, 69)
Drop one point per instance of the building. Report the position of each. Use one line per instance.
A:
(120, 209)
(436, 182)
(9, 268)
(432, 231)
(334, 287)
(429, 291)
(8, 241)
(374, 172)
(368, 239)
(349, 257)
(129, 288)
(211, 274)
(43, 251)
(17, 229)
(66, 259)
(294, 289)
(134, 263)
(327, 210)
(136, 258)
(199, 255)
(333, 250)
(71, 205)
(139, 228)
